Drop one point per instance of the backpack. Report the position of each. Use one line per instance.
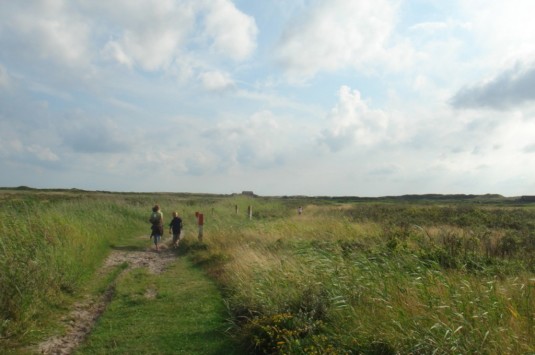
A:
(154, 218)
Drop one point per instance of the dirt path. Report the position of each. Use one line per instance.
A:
(84, 315)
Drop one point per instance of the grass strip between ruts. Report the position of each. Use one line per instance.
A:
(179, 311)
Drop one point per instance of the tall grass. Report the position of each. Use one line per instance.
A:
(48, 249)
(52, 242)
(341, 278)
(332, 282)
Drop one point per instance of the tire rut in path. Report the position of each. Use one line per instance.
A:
(84, 315)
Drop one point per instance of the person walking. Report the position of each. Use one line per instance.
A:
(156, 220)
(175, 227)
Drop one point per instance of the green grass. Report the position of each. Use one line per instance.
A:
(364, 277)
(183, 313)
(48, 251)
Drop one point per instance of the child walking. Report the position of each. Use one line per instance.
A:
(175, 227)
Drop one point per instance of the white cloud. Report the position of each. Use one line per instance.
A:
(335, 34)
(115, 52)
(152, 49)
(429, 26)
(353, 122)
(86, 80)
(504, 29)
(433, 27)
(216, 81)
(231, 32)
(146, 34)
(49, 29)
(154, 35)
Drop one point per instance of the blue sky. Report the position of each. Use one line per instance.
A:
(304, 97)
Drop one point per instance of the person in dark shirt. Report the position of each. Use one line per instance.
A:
(175, 227)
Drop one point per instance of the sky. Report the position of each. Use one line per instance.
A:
(280, 97)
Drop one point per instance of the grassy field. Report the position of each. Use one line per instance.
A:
(385, 276)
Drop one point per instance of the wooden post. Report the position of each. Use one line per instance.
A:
(236, 207)
(250, 211)
(200, 224)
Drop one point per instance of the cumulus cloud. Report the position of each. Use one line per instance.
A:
(82, 82)
(140, 34)
(145, 34)
(46, 29)
(154, 35)
(513, 87)
(231, 32)
(353, 122)
(216, 81)
(335, 34)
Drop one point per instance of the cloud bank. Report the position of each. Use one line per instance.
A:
(311, 97)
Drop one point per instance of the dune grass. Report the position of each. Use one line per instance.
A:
(336, 280)
(48, 250)
(360, 277)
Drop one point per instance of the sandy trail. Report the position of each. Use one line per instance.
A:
(80, 321)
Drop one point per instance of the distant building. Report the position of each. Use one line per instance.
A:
(527, 198)
(248, 193)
